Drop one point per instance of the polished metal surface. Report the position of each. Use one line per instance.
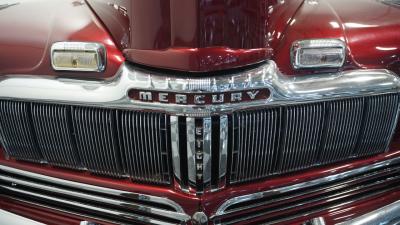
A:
(176, 157)
(223, 146)
(317, 44)
(121, 137)
(7, 5)
(191, 149)
(285, 90)
(199, 218)
(370, 180)
(14, 120)
(283, 139)
(117, 143)
(318, 221)
(80, 47)
(14, 219)
(389, 214)
(47, 190)
(207, 158)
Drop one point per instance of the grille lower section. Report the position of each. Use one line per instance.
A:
(290, 138)
(303, 199)
(104, 141)
(108, 205)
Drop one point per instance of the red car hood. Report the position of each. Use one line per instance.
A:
(28, 28)
(195, 35)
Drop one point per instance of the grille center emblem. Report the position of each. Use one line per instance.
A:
(199, 98)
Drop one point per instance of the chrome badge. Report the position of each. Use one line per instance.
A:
(200, 98)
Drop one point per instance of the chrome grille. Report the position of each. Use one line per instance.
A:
(16, 131)
(52, 126)
(103, 141)
(288, 138)
(105, 204)
(144, 136)
(286, 203)
(96, 138)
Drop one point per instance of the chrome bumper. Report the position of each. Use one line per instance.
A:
(389, 214)
(13, 219)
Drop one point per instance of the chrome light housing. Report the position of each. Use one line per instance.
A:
(318, 53)
(78, 56)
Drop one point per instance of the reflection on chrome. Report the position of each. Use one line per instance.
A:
(284, 89)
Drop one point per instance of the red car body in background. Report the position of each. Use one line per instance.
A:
(196, 39)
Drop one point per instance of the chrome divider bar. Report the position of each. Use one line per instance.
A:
(223, 147)
(191, 149)
(176, 159)
(207, 159)
(90, 197)
(222, 210)
(96, 189)
(284, 90)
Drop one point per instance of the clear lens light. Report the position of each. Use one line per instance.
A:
(320, 53)
(78, 56)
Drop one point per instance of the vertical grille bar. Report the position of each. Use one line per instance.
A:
(379, 124)
(259, 147)
(302, 136)
(342, 129)
(17, 131)
(142, 138)
(96, 140)
(52, 127)
(312, 134)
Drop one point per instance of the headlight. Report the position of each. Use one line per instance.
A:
(78, 56)
(318, 53)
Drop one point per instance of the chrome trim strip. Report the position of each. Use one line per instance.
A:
(87, 206)
(94, 198)
(389, 214)
(284, 89)
(176, 159)
(223, 146)
(191, 149)
(241, 199)
(207, 157)
(96, 189)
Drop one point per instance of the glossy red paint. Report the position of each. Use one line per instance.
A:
(31, 27)
(189, 35)
(198, 59)
(373, 39)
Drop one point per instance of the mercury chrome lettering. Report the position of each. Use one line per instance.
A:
(199, 98)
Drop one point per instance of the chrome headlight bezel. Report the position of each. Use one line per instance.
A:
(80, 49)
(318, 44)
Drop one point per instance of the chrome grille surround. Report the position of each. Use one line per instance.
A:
(105, 204)
(201, 161)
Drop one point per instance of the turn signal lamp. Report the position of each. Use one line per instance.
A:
(318, 53)
(78, 56)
